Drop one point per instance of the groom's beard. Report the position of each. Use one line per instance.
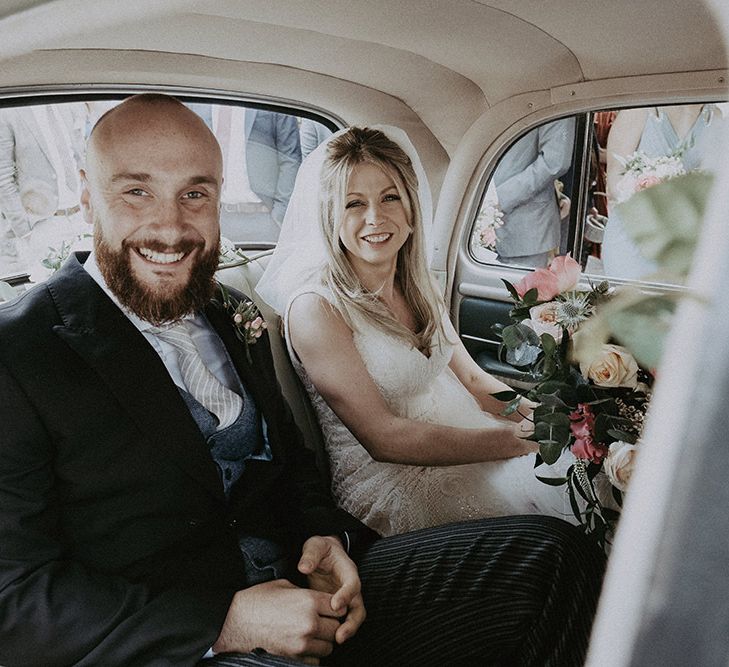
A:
(157, 306)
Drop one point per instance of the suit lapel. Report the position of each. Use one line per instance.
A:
(252, 373)
(131, 369)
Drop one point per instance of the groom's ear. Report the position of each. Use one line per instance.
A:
(86, 207)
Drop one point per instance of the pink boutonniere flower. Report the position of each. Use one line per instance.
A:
(247, 321)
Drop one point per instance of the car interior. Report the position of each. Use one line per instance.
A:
(470, 81)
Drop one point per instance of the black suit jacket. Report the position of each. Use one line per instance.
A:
(117, 546)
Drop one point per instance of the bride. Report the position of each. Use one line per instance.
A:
(411, 429)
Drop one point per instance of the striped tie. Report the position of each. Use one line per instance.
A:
(200, 382)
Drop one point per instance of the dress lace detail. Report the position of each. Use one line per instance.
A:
(393, 498)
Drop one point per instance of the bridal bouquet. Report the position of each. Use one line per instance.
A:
(641, 171)
(590, 413)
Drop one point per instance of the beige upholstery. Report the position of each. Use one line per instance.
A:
(244, 278)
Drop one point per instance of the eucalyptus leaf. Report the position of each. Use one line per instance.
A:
(556, 419)
(505, 395)
(512, 290)
(512, 407)
(616, 434)
(531, 296)
(548, 343)
(550, 450)
(552, 481)
(516, 335)
(552, 401)
(524, 355)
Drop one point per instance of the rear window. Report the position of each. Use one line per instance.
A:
(42, 149)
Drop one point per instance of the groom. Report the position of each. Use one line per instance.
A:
(156, 502)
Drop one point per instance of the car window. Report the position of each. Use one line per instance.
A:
(42, 148)
(559, 187)
(524, 216)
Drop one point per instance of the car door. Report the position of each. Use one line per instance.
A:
(506, 237)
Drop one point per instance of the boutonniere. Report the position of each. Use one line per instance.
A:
(245, 317)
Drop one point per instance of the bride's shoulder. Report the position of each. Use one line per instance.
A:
(312, 311)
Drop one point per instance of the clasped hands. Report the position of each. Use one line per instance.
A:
(300, 623)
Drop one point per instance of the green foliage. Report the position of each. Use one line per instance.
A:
(521, 345)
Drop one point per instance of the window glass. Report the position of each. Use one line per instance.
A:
(42, 148)
(545, 199)
(524, 217)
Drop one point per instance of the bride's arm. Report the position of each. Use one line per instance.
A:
(480, 383)
(323, 342)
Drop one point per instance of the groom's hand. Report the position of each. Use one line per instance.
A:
(329, 569)
(281, 619)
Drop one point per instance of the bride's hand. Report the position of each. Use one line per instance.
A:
(525, 428)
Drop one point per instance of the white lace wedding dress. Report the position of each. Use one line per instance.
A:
(393, 498)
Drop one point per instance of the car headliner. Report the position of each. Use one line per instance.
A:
(445, 62)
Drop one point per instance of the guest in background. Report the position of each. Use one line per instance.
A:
(687, 132)
(261, 156)
(41, 152)
(524, 179)
(312, 134)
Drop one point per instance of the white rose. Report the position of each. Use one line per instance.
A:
(543, 320)
(612, 366)
(619, 463)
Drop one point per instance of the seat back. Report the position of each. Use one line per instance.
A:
(245, 278)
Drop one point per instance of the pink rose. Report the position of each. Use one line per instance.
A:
(646, 182)
(563, 275)
(588, 449)
(567, 271)
(544, 280)
(582, 427)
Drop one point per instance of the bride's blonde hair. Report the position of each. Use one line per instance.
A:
(365, 145)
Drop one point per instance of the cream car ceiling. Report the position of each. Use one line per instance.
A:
(441, 63)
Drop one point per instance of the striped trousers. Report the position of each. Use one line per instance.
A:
(506, 591)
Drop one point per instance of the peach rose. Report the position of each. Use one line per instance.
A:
(612, 366)
(619, 463)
